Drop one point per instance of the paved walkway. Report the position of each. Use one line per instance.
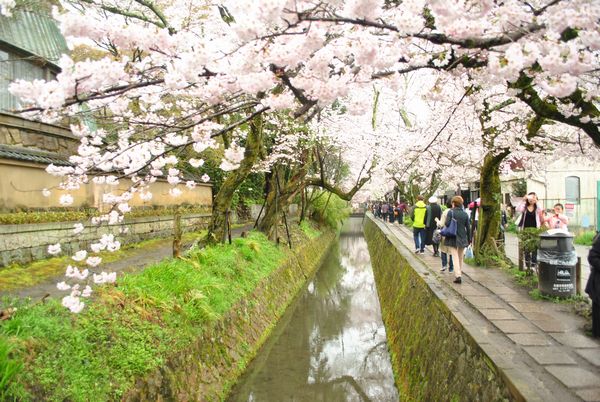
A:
(539, 345)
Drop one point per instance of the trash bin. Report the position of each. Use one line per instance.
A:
(556, 258)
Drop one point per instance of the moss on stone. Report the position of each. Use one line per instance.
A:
(433, 356)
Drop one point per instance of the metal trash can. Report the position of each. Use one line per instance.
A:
(556, 258)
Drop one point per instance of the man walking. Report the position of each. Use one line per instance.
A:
(419, 216)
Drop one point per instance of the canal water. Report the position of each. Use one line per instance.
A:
(330, 345)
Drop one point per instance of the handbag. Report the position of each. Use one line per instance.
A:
(450, 230)
(437, 236)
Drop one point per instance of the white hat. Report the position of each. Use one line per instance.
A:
(433, 199)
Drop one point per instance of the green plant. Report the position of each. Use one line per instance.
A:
(511, 227)
(529, 238)
(130, 328)
(330, 209)
(309, 230)
(408, 221)
(9, 368)
(586, 238)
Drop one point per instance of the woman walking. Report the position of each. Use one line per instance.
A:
(457, 244)
(445, 253)
(532, 216)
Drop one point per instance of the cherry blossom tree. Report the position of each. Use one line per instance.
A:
(191, 75)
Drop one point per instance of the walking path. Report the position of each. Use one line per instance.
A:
(134, 262)
(539, 345)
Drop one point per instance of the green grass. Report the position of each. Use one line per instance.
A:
(16, 276)
(585, 238)
(131, 328)
(309, 230)
(537, 295)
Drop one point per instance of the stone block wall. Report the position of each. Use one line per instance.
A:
(434, 357)
(26, 243)
(23, 133)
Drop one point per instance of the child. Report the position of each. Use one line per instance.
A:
(557, 220)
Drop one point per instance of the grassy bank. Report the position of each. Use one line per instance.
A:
(131, 328)
(16, 276)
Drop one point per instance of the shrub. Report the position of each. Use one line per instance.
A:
(329, 209)
(585, 238)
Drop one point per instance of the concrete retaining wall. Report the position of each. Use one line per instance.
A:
(434, 357)
(207, 369)
(29, 242)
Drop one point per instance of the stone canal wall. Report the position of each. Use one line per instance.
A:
(207, 369)
(29, 242)
(433, 355)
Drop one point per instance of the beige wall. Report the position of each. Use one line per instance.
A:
(21, 186)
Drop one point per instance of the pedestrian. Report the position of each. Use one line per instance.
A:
(532, 216)
(592, 288)
(557, 220)
(434, 213)
(447, 262)
(419, 217)
(402, 210)
(457, 244)
(474, 215)
(384, 211)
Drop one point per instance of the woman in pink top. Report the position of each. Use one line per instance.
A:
(557, 220)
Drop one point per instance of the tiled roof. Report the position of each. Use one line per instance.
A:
(22, 154)
(34, 33)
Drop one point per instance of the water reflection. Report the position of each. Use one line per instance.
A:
(330, 346)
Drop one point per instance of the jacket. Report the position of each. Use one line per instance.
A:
(433, 211)
(539, 215)
(557, 221)
(419, 215)
(463, 229)
(592, 287)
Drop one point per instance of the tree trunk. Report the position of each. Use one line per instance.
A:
(222, 202)
(486, 241)
(279, 198)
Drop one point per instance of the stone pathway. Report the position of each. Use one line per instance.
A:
(539, 345)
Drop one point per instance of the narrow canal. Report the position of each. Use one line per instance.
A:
(331, 343)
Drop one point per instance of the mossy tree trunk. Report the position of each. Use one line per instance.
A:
(222, 201)
(488, 231)
(279, 197)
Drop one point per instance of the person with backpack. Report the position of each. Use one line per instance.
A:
(458, 243)
(592, 288)
(419, 217)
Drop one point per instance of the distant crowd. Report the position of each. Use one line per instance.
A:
(450, 233)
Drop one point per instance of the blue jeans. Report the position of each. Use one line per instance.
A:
(447, 261)
(419, 237)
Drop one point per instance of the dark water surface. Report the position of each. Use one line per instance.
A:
(330, 345)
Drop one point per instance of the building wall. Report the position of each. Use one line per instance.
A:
(18, 132)
(550, 186)
(21, 186)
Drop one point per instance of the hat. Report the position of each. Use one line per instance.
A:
(433, 199)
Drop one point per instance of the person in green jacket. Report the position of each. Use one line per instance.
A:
(419, 217)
